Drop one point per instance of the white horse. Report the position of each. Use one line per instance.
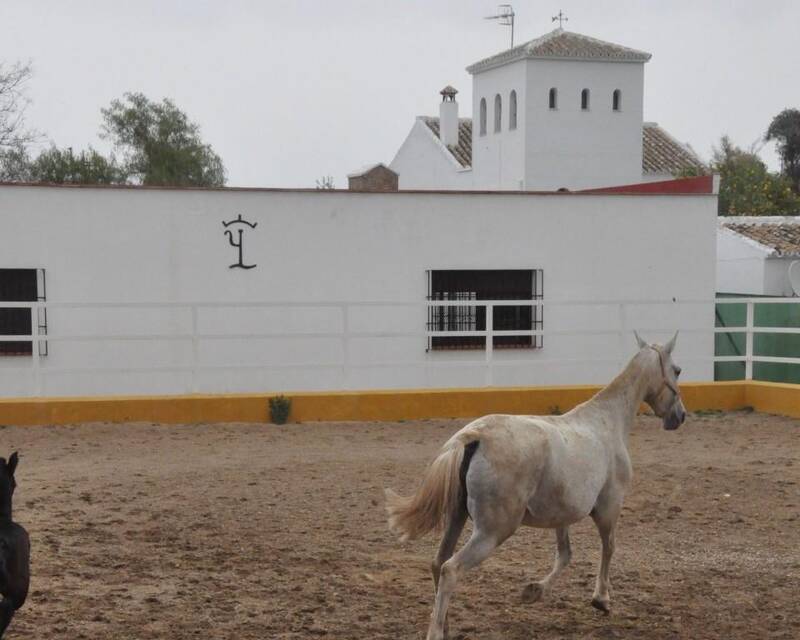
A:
(504, 471)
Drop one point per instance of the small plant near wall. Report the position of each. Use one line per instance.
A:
(279, 409)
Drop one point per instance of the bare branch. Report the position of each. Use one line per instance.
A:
(13, 102)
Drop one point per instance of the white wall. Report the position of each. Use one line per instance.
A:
(498, 159)
(740, 265)
(153, 245)
(576, 149)
(423, 162)
(776, 276)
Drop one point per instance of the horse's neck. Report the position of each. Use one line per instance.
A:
(623, 396)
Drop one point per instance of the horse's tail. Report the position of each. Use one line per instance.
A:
(441, 493)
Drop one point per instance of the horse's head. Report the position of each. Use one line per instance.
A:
(7, 481)
(663, 395)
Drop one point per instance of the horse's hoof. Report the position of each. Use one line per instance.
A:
(602, 605)
(532, 593)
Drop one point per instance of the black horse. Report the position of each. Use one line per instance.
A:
(14, 548)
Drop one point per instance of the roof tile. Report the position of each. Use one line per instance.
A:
(779, 233)
(564, 45)
(462, 152)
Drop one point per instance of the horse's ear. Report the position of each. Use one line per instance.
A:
(671, 344)
(12, 463)
(642, 344)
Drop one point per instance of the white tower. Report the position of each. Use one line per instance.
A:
(561, 111)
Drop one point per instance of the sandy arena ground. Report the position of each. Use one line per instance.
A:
(258, 531)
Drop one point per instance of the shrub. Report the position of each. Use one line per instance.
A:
(279, 409)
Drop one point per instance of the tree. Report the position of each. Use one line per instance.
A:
(746, 185)
(13, 134)
(63, 166)
(15, 165)
(325, 182)
(785, 130)
(159, 145)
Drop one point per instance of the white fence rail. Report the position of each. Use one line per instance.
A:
(189, 336)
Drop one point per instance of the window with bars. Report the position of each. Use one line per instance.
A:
(21, 285)
(488, 284)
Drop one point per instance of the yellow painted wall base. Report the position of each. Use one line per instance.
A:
(774, 397)
(767, 397)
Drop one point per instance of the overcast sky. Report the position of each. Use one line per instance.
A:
(288, 91)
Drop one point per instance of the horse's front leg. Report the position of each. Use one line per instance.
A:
(606, 520)
(535, 591)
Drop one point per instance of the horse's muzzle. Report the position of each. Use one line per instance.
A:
(674, 419)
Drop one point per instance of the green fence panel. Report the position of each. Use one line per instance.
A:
(730, 344)
(780, 345)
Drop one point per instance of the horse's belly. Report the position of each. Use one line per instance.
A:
(558, 507)
(553, 520)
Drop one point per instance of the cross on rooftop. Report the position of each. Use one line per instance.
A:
(561, 19)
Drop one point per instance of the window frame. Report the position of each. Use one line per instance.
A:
(17, 320)
(552, 99)
(586, 99)
(616, 100)
(482, 117)
(484, 285)
(498, 113)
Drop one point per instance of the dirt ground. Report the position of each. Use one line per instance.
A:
(258, 531)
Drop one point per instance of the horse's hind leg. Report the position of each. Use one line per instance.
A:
(452, 531)
(534, 591)
(6, 613)
(475, 551)
(455, 525)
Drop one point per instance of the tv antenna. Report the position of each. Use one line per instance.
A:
(504, 17)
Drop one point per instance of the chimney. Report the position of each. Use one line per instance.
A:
(448, 117)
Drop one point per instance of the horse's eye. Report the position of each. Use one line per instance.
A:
(677, 371)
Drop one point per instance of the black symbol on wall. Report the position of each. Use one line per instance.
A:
(238, 242)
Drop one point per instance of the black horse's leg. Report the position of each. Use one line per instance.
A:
(6, 613)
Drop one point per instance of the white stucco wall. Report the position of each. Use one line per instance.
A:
(498, 158)
(151, 245)
(576, 149)
(423, 162)
(740, 265)
(776, 276)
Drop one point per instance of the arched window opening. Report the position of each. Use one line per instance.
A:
(483, 116)
(498, 113)
(585, 99)
(554, 98)
(617, 100)
(512, 110)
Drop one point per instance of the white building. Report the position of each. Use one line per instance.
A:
(756, 254)
(167, 291)
(563, 111)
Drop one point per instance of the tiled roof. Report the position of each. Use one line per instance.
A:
(778, 234)
(462, 152)
(563, 45)
(661, 153)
